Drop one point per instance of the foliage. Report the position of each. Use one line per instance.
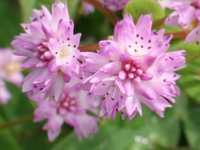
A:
(179, 129)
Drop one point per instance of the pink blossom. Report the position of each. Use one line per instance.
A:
(51, 51)
(115, 5)
(55, 79)
(134, 68)
(87, 8)
(184, 14)
(9, 71)
(71, 109)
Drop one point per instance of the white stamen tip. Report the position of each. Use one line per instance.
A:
(127, 67)
(122, 75)
(131, 75)
(139, 71)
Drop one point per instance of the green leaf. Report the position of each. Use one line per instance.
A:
(19, 105)
(34, 138)
(7, 140)
(190, 79)
(109, 138)
(72, 6)
(18, 120)
(26, 8)
(87, 25)
(141, 7)
(192, 128)
(10, 20)
(18, 108)
(157, 131)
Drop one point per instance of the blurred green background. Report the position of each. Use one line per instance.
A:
(179, 130)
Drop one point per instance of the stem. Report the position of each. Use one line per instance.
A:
(105, 11)
(89, 47)
(179, 35)
(16, 121)
(159, 23)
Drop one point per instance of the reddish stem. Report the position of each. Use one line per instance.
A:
(89, 47)
(105, 11)
(179, 35)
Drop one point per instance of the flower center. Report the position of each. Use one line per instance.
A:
(12, 68)
(44, 54)
(132, 71)
(68, 104)
(64, 54)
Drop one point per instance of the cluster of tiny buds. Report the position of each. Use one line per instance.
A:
(43, 52)
(132, 71)
(68, 104)
(196, 4)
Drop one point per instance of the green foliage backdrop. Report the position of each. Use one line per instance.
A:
(180, 129)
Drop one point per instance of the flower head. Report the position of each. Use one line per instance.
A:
(186, 14)
(72, 108)
(87, 8)
(51, 50)
(9, 71)
(54, 83)
(134, 68)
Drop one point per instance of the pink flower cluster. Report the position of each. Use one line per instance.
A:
(134, 68)
(185, 14)
(9, 71)
(131, 69)
(51, 50)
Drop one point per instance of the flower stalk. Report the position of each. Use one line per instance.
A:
(105, 11)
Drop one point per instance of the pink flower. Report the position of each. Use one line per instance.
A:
(87, 8)
(115, 5)
(72, 108)
(185, 13)
(9, 71)
(51, 51)
(55, 81)
(134, 68)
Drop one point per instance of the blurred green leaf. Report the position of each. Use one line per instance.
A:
(19, 105)
(34, 138)
(26, 8)
(142, 7)
(18, 112)
(87, 26)
(157, 131)
(190, 80)
(73, 7)
(10, 20)
(18, 120)
(192, 128)
(7, 140)
(108, 138)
